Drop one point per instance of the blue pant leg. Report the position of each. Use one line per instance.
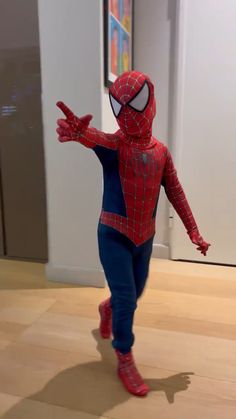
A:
(141, 262)
(115, 251)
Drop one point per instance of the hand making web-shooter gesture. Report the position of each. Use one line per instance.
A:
(77, 129)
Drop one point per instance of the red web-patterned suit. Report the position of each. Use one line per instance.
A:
(141, 171)
(135, 165)
(144, 163)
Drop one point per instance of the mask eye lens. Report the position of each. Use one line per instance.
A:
(116, 106)
(140, 101)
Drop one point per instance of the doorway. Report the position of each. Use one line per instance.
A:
(23, 227)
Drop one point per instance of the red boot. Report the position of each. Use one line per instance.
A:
(106, 319)
(130, 376)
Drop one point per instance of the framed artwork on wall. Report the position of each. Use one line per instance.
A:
(118, 38)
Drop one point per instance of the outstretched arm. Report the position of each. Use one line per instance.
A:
(177, 198)
(77, 129)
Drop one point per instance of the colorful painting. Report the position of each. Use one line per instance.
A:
(118, 38)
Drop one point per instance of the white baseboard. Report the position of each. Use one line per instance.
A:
(75, 275)
(160, 251)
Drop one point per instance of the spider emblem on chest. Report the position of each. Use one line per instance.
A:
(144, 164)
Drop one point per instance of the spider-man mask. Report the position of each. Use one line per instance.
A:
(133, 104)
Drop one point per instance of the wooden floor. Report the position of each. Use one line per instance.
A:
(54, 365)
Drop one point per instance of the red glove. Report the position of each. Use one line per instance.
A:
(72, 127)
(196, 238)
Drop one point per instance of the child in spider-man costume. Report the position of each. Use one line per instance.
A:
(135, 165)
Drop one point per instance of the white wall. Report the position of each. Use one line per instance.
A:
(109, 123)
(205, 125)
(72, 71)
(154, 55)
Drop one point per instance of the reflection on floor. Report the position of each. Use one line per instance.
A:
(53, 363)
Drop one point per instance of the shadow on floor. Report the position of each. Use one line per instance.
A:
(93, 387)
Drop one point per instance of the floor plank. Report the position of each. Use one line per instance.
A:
(14, 407)
(54, 364)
